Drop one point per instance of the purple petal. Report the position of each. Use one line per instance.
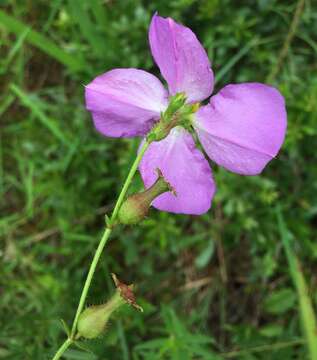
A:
(181, 58)
(185, 168)
(125, 102)
(243, 127)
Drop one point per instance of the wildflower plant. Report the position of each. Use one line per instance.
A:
(241, 128)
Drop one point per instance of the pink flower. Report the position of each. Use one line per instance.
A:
(242, 128)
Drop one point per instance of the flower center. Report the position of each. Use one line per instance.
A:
(178, 113)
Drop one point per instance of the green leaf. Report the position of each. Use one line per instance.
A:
(280, 301)
(308, 316)
(204, 257)
(271, 330)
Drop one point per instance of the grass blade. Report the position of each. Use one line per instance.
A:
(1, 169)
(223, 71)
(42, 42)
(13, 51)
(6, 103)
(99, 12)
(306, 308)
(81, 15)
(44, 119)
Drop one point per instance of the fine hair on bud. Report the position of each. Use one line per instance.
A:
(93, 320)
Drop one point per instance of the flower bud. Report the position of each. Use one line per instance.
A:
(136, 207)
(93, 320)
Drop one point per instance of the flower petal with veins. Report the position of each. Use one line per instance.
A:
(243, 127)
(181, 58)
(125, 102)
(186, 170)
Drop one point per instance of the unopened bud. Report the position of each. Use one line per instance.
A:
(93, 320)
(137, 206)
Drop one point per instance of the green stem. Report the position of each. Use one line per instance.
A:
(90, 275)
(62, 349)
(128, 180)
(100, 248)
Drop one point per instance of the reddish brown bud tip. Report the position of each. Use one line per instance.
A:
(126, 292)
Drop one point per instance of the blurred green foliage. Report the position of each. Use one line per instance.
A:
(212, 287)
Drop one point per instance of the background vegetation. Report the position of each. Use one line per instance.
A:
(213, 287)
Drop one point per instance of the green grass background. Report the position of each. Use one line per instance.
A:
(216, 286)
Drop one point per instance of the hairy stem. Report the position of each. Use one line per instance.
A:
(62, 349)
(100, 248)
(128, 180)
(89, 277)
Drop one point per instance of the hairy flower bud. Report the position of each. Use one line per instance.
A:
(93, 320)
(136, 207)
